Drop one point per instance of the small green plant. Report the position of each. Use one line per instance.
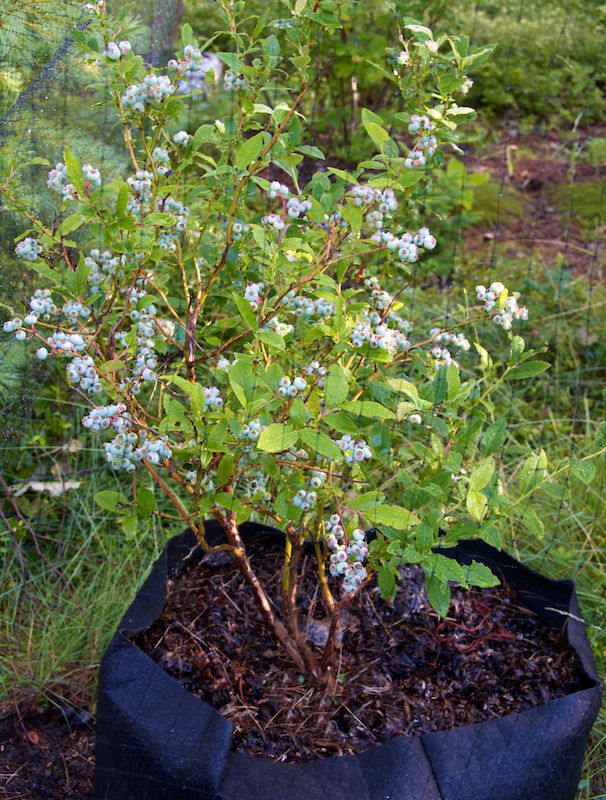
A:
(243, 342)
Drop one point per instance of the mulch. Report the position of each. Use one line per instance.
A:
(402, 669)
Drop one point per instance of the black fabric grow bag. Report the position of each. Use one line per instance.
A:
(157, 741)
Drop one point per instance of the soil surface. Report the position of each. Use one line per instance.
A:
(46, 754)
(542, 205)
(402, 670)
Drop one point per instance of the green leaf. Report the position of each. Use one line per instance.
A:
(72, 223)
(387, 582)
(532, 522)
(394, 517)
(438, 594)
(110, 500)
(583, 470)
(477, 574)
(187, 35)
(453, 380)
(122, 200)
(271, 50)
(246, 312)
(337, 388)
(367, 501)
(477, 504)
(533, 471)
(249, 150)
(298, 413)
(341, 422)
(272, 339)
(76, 281)
(43, 269)
(517, 348)
(320, 443)
(277, 437)
(225, 468)
(440, 385)
(73, 168)
(243, 382)
(480, 476)
(528, 369)
(368, 408)
(232, 61)
(203, 134)
(146, 502)
(129, 525)
(229, 501)
(378, 134)
(494, 437)
(111, 366)
(404, 387)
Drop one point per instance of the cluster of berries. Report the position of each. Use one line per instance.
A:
(305, 499)
(292, 388)
(458, 340)
(296, 208)
(426, 144)
(238, 229)
(191, 66)
(252, 293)
(232, 81)
(374, 330)
(152, 88)
(143, 370)
(66, 343)
(348, 553)
(15, 326)
(308, 307)
(212, 398)
(161, 159)
(366, 195)
(81, 372)
(502, 307)
(256, 486)
(41, 303)
(281, 328)
(103, 417)
(314, 370)
(123, 453)
(28, 248)
(354, 450)
(408, 244)
(115, 51)
(182, 138)
(101, 265)
(58, 179)
(277, 189)
(274, 221)
(168, 237)
(317, 479)
(251, 431)
(74, 310)
(141, 186)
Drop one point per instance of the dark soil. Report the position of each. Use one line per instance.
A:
(46, 754)
(402, 670)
